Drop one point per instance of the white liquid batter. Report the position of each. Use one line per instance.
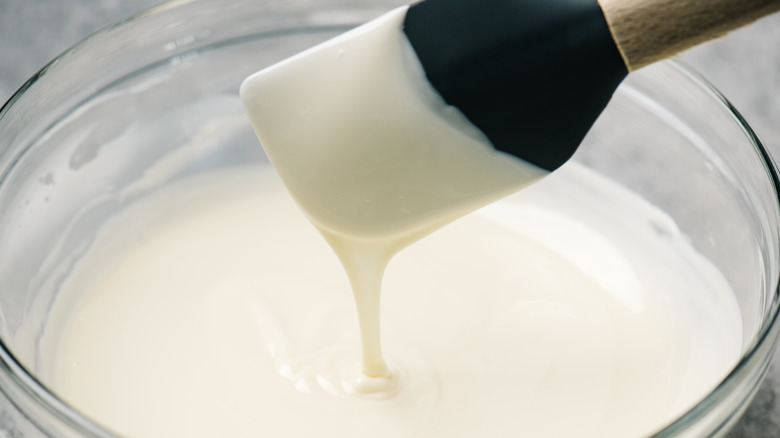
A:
(560, 311)
(373, 156)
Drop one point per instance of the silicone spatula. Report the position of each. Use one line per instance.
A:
(534, 75)
(543, 70)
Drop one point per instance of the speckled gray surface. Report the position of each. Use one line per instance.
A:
(745, 66)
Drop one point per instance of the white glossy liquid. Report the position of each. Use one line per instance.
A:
(373, 156)
(560, 311)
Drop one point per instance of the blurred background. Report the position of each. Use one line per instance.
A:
(744, 66)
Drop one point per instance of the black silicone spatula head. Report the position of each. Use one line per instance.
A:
(532, 75)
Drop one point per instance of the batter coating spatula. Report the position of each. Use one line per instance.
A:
(532, 75)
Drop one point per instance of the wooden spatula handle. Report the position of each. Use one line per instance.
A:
(650, 30)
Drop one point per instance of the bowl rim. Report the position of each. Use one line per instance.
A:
(14, 373)
(767, 336)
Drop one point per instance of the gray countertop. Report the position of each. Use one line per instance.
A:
(745, 66)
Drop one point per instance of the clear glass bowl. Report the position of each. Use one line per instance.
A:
(65, 169)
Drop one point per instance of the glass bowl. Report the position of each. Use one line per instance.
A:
(65, 170)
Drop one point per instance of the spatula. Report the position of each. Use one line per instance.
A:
(543, 70)
(531, 75)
